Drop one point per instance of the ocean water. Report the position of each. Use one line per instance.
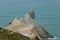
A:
(47, 13)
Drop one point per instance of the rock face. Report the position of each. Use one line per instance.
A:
(28, 27)
(40, 31)
(22, 28)
(16, 24)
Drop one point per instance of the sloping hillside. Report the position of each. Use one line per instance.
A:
(9, 35)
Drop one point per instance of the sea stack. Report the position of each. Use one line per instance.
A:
(32, 13)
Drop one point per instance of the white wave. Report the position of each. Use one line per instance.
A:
(55, 38)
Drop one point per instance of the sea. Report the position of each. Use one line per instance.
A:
(47, 13)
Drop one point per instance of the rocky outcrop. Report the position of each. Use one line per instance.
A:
(27, 26)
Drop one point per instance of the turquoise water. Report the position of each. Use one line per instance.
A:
(47, 13)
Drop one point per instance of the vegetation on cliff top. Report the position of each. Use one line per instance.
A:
(9, 35)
